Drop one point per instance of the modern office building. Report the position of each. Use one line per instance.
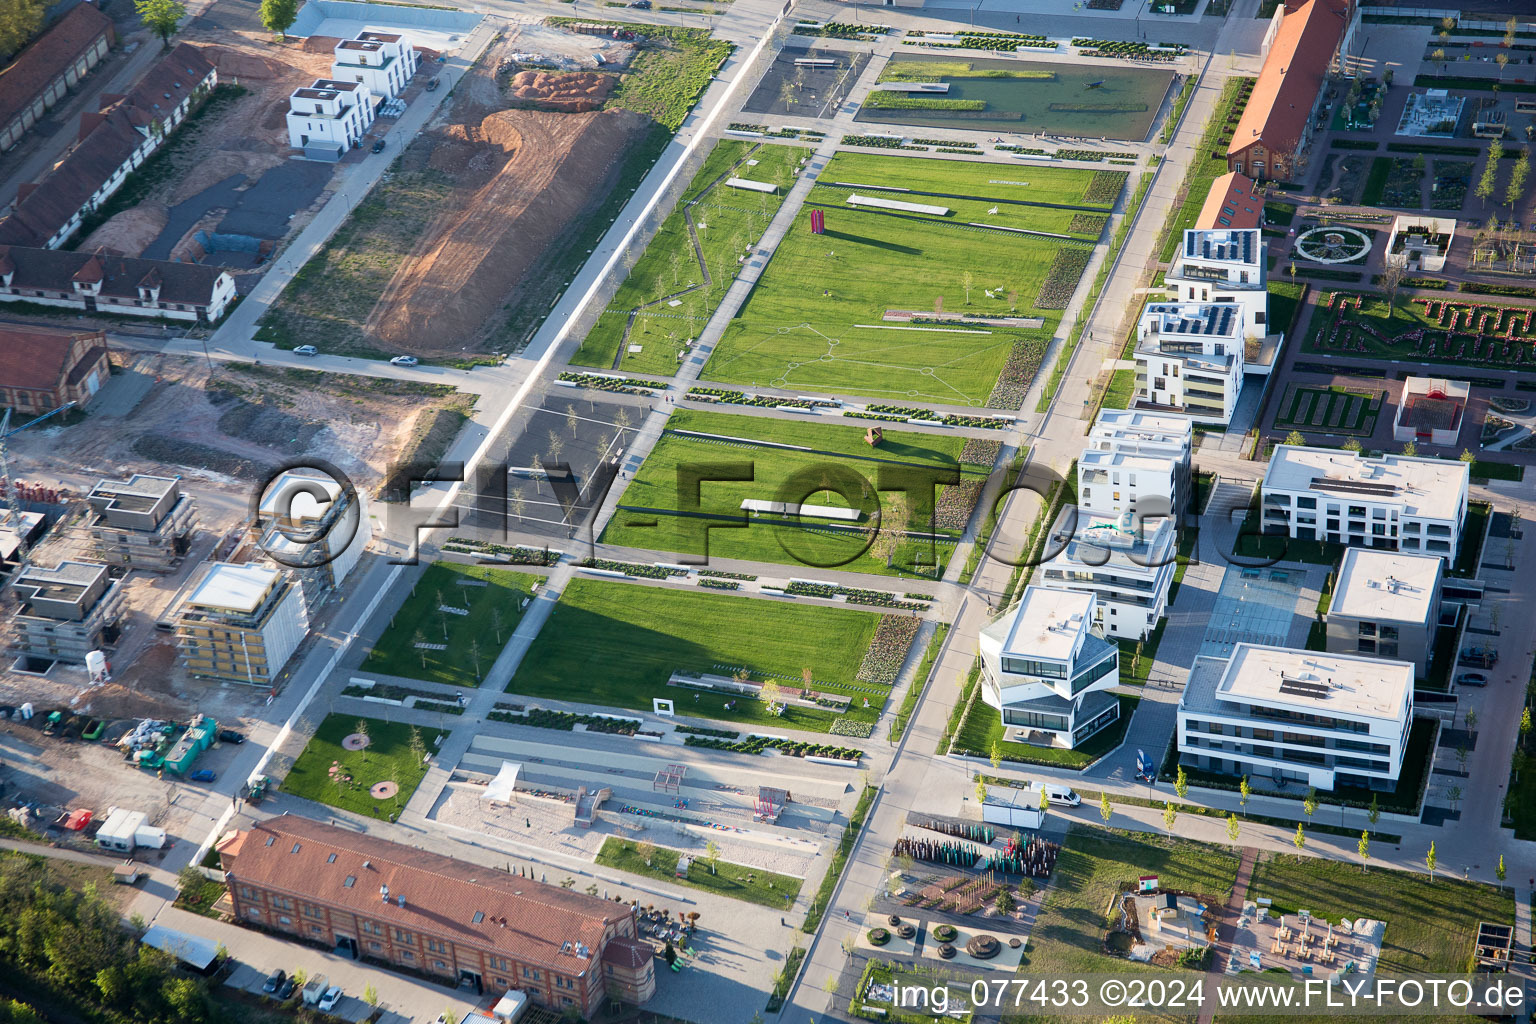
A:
(1305, 717)
(241, 622)
(1223, 265)
(144, 522)
(66, 612)
(1127, 563)
(1397, 502)
(455, 921)
(1047, 670)
(1386, 604)
(1189, 359)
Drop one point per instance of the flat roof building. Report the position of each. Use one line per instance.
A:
(1127, 563)
(1223, 265)
(1313, 718)
(144, 522)
(67, 611)
(1386, 604)
(1189, 358)
(241, 622)
(307, 522)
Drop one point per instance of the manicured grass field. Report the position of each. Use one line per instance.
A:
(1094, 865)
(1284, 297)
(983, 727)
(795, 476)
(1060, 185)
(387, 758)
(618, 643)
(1332, 410)
(737, 881)
(673, 268)
(494, 599)
(1430, 925)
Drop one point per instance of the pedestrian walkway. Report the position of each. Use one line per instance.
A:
(1223, 949)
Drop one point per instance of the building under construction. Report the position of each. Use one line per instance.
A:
(66, 612)
(144, 522)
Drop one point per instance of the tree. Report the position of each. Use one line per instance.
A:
(1486, 184)
(1170, 815)
(1045, 801)
(1005, 901)
(1309, 803)
(1243, 793)
(967, 281)
(997, 754)
(361, 728)
(19, 22)
(1430, 860)
(1295, 438)
(770, 693)
(1181, 783)
(1515, 190)
(371, 995)
(496, 623)
(1234, 829)
(279, 15)
(1518, 762)
(1373, 813)
(1525, 723)
(1499, 872)
(1105, 810)
(646, 851)
(474, 655)
(1364, 847)
(1299, 840)
(1352, 445)
(712, 851)
(1391, 278)
(1467, 456)
(418, 640)
(981, 791)
(161, 16)
(418, 745)
(1454, 796)
(669, 954)
(1439, 55)
(1410, 449)
(1471, 718)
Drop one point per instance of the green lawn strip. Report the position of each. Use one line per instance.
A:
(989, 522)
(1136, 667)
(1094, 866)
(983, 727)
(388, 757)
(738, 881)
(615, 644)
(1122, 388)
(919, 679)
(197, 893)
(1208, 164)
(1092, 796)
(969, 211)
(798, 328)
(493, 613)
(1431, 926)
(845, 844)
(1059, 185)
(784, 978)
(1284, 299)
(1485, 470)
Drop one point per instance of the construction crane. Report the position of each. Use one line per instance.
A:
(13, 504)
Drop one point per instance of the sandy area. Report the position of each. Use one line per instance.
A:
(129, 232)
(574, 92)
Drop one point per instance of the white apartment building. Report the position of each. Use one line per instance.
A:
(1149, 435)
(1189, 358)
(306, 521)
(1113, 483)
(383, 61)
(1386, 604)
(1047, 670)
(329, 117)
(1125, 562)
(1392, 501)
(1223, 265)
(1301, 717)
(241, 622)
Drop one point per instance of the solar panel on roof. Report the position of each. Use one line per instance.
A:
(1303, 688)
(1328, 483)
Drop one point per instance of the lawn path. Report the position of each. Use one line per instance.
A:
(1222, 949)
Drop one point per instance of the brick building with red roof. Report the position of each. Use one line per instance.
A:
(448, 918)
(52, 65)
(1233, 202)
(41, 368)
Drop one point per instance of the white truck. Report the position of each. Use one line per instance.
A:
(125, 830)
(314, 988)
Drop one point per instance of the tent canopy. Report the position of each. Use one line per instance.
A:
(504, 786)
(192, 950)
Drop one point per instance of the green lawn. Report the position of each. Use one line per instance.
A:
(493, 613)
(737, 881)
(618, 643)
(388, 757)
(839, 457)
(1060, 185)
(1094, 865)
(814, 322)
(1430, 925)
(983, 727)
(1385, 337)
(728, 222)
(1284, 298)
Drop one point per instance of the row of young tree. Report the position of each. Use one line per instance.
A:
(70, 947)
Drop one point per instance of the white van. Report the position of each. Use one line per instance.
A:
(1059, 794)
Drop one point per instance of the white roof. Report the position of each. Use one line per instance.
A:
(1434, 488)
(1138, 426)
(1095, 458)
(291, 495)
(1318, 683)
(234, 588)
(1047, 623)
(1395, 586)
(193, 950)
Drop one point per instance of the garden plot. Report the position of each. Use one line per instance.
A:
(363, 765)
(1425, 330)
(615, 644)
(810, 465)
(1331, 410)
(815, 321)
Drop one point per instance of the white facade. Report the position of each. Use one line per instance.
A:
(1126, 563)
(305, 531)
(1112, 483)
(1223, 265)
(1297, 716)
(1048, 671)
(241, 622)
(1189, 358)
(329, 117)
(1420, 243)
(383, 61)
(1148, 435)
(1392, 501)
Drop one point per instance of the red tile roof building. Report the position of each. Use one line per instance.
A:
(1277, 122)
(1233, 202)
(427, 912)
(113, 143)
(98, 282)
(56, 62)
(41, 368)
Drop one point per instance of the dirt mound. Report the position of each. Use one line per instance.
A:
(575, 92)
(465, 267)
(239, 64)
(130, 232)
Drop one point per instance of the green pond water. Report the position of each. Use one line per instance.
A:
(1060, 105)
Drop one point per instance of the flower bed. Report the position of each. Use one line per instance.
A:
(855, 595)
(906, 412)
(1093, 155)
(956, 503)
(1024, 360)
(879, 142)
(848, 727)
(1105, 187)
(888, 650)
(953, 144)
(1087, 224)
(516, 555)
(727, 575)
(1062, 279)
(918, 597)
(713, 584)
(880, 100)
(654, 572)
(879, 936)
(543, 718)
(699, 730)
(623, 385)
(707, 394)
(1124, 50)
(442, 707)
(945, 933)
(1468, 332)
(794, 748)
(980, 451)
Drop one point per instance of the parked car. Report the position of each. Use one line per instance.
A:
(641, 5)
(285, 990)
(432, 83)
(230, 736)
(203, 775)
(329, 1000)
(404, 361)
(1471, 679)
(378, 145)
(306, 350)
(274, 981)
(1479, 657)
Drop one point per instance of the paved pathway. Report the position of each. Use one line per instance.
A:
(1226, 931)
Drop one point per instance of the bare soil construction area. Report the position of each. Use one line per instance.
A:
(463, 246)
